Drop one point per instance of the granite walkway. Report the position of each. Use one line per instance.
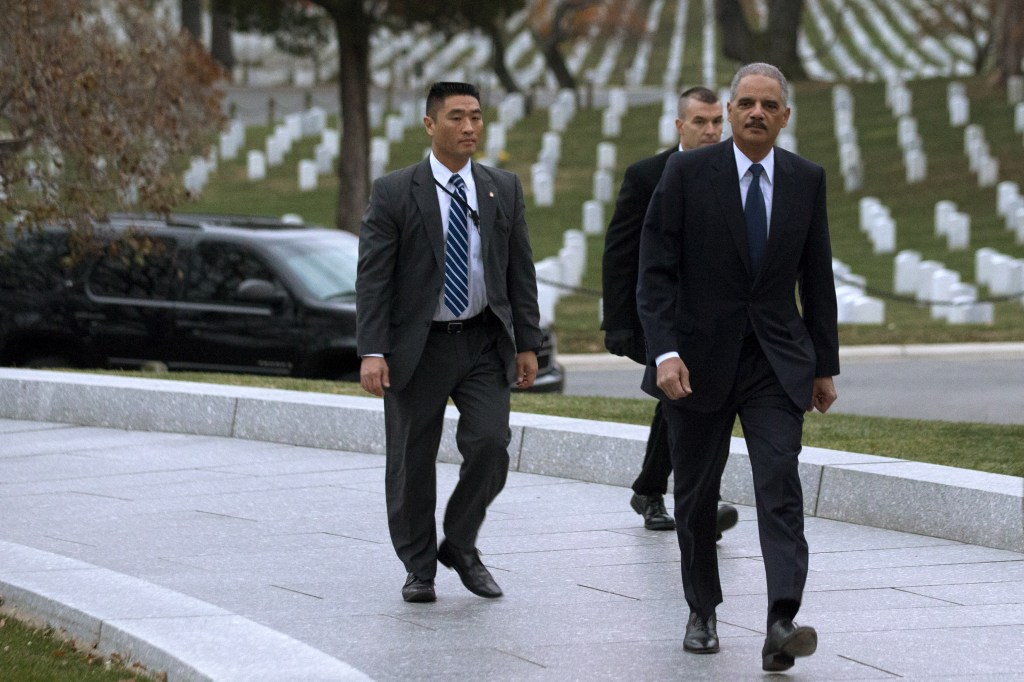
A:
(221, 558)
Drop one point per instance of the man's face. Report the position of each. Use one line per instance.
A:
(456, 129)
(757, 114)
(701, 124)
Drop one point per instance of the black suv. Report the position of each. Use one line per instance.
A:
(207, 293)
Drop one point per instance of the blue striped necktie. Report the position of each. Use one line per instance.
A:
(456, 252)
(757, 218)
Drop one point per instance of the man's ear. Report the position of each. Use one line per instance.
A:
(428, 124)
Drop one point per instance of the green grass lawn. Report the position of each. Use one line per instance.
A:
(29, 654)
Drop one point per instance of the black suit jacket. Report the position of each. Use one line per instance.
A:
(697, 294)
(621, 260)
(401, 266)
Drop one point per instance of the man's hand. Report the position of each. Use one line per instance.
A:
(627, 343)
(824, 394)
(526, 369)
(674, 378)
(619, 341)
(373, 375)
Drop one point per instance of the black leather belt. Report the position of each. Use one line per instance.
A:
(459, 326)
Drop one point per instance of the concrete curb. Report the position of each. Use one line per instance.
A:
(163, 630)
(955, 504)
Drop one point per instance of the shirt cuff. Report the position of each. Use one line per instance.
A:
(665, 356)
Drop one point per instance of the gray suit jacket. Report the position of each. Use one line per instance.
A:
(698, 294)
(401, 266)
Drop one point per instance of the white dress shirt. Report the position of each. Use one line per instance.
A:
(477, 287)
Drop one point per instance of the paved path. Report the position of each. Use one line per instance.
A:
(289, 540)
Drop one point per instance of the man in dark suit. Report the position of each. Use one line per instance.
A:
(717, 298)
(699, 124)
(446, 308)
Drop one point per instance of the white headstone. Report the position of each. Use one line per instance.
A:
(324, 157)
(256, 165)
(307, 175)
(606, 155)
(667, 133)
(593, 216)
(543, 185)
(983, 264)
(943, 210)
(602, 186)
(905, 271)
(611, 123)
(958, 232)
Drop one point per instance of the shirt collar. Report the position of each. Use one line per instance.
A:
(743, 164)
(443, 175)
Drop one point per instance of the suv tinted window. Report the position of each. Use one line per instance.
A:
(135, 267)
(33, 262)
(216, 269)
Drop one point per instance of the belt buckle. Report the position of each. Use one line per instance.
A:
(454, 328)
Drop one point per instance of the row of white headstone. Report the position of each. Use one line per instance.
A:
(877, 223)
(1010, 207)
(557, 275)
(854, 306)
(922, 56)
(933, 284)
(899, 99)
(850, 164)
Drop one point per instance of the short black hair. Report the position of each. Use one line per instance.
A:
(699, 93)
(443, 89)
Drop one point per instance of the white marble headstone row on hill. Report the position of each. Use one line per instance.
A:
(854, 305)
(676, 47)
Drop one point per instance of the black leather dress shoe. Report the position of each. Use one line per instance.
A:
(471, 570)
(787, 641)
(652, 508)
(726, 519)
(701, 634)
(417, 590)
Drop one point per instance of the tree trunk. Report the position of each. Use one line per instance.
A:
(1010, 39)
(220, 40)
(501, 70)
(555, 62)
(783, 28)
(192, 17)
(353, 30)
(737, 38)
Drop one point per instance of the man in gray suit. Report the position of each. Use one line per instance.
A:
(446, 308)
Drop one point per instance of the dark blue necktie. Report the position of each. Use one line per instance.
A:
(757, 218)
(456, 252)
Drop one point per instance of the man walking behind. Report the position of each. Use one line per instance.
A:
(699, 124)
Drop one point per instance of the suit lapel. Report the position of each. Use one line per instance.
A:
(424, 193)
(783, 190)
(726, 183)
(487, 205)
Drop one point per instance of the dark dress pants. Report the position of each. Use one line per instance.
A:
(657, 466)
(772, 427)
(467, 368)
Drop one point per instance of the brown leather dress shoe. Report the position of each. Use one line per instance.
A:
(787, 641)
(701, 634)
(417, 590)
(471, 570)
